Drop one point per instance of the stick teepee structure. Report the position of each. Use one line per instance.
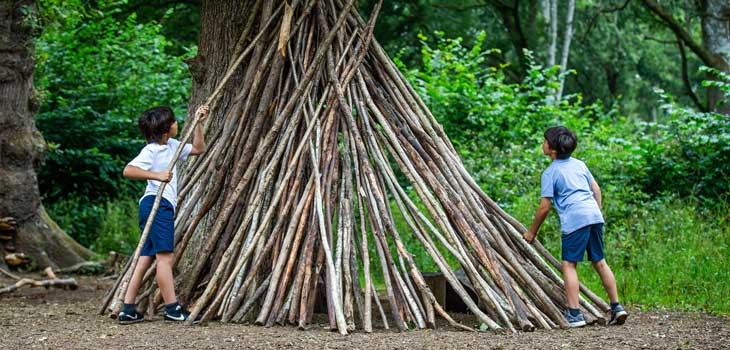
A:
(322, 161)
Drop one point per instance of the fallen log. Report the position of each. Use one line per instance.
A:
(52, 281)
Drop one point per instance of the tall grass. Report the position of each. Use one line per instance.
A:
(672, 254)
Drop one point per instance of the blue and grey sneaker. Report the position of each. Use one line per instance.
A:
(618, 315)
(575, 320)
(179, 314)
(129, 318)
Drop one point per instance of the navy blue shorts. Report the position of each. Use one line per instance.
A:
(588, 239)
(161, 237)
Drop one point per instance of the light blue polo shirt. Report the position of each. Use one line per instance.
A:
(567, 183)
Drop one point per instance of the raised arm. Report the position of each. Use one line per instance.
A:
(198, 136)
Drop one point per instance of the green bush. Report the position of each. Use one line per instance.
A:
(102, 227)
(79, 217)
(475, 102)
(688, 154)
(119, 230)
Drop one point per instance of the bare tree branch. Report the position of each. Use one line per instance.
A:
(685, 79)
(707, 57)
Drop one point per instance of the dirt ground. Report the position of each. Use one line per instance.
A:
(36, 318)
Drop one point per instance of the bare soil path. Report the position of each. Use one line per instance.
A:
(36, 318)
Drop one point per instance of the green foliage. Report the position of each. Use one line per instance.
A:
(119, 230)
(97, 70)
(179, 20)
(723, 82)
(688, 154)
(95, 75)
(102, 227)
(78, 217)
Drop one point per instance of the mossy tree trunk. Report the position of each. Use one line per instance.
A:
(22, 146)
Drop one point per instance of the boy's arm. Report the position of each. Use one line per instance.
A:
(540, 215)
(596, 193)
(198, 136)
(135, 173)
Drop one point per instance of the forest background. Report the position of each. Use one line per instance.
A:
(625, 84)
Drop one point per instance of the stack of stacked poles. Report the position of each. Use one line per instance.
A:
(305, 174)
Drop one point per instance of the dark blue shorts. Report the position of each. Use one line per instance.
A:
(162, 233)
(588, 239)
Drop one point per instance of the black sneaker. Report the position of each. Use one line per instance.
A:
(618, 315)
(180, 314)
(129, 318)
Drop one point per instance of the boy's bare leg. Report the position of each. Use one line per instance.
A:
(570, 276)
(164, 277)
(607, 278)
(143, 264)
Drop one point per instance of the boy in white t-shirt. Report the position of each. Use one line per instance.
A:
(159, 126)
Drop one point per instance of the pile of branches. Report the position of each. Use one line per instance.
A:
(323, 166)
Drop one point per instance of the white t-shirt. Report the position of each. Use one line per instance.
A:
(156, 157)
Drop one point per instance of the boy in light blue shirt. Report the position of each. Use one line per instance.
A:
(571, 188)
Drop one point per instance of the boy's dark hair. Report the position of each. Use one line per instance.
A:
(156, 121)
(561, 140)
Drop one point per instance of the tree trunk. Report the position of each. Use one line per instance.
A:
(566, 46)
(22, 147)
(509, 11)
(553, 32)
(716, 37)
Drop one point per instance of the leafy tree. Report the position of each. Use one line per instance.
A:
(709, 17)
(179, 20)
